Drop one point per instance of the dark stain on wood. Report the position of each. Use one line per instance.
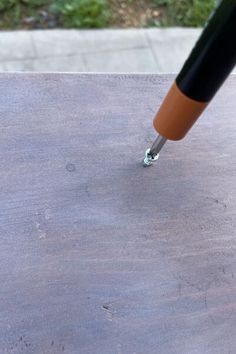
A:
(99, 255)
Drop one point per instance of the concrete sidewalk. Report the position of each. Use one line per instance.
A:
(129, 50)
(119, 50)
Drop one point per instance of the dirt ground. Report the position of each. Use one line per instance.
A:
(136, 13)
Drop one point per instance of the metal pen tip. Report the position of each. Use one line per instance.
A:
(152, 154)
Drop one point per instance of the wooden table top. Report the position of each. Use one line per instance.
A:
(99, 255)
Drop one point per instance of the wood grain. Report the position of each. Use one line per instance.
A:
(99, 255)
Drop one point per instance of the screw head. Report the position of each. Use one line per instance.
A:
(149, 159)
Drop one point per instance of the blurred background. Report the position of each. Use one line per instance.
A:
(99, 35)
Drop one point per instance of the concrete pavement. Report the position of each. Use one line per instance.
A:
(110, 50)
(129, 50)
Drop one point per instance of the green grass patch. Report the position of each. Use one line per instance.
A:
(192, 13)
(15, 14)
(82, 13)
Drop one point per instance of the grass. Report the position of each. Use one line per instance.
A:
(191, 13)
(15, 14)
(27, 14)
(82, 13)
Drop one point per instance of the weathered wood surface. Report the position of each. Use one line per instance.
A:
(99, 255)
